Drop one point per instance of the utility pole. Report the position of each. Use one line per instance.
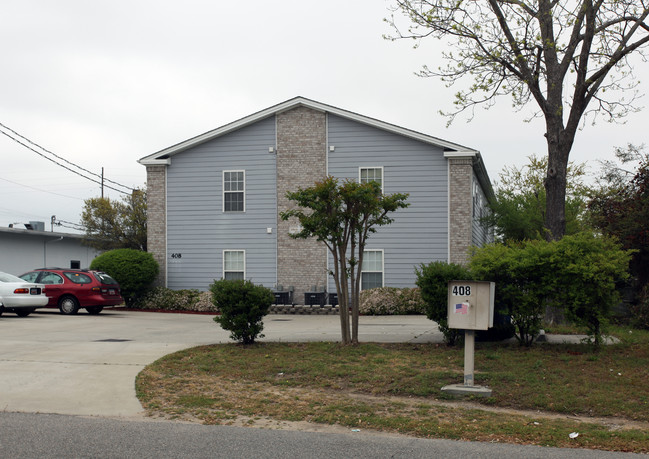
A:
(102, 183)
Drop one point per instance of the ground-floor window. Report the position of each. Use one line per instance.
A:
(372, 269)
(234, 264)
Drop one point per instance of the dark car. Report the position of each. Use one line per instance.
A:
(71, 289)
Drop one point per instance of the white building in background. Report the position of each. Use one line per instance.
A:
(24, 249)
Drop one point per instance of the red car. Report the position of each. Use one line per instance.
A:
(71, 289)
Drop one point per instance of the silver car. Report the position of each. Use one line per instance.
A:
(19, 296)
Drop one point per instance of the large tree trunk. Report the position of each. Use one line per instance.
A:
(559, 145)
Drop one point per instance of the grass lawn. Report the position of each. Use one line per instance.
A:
(540, 394)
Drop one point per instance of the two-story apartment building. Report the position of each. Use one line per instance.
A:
(214, 200)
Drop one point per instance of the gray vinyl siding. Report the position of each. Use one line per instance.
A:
(419, 233)
(197, 227)
(481, 234)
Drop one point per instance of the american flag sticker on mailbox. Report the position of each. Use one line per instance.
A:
(462, 308)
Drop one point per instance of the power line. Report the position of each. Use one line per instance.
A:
(100, 182)
(42, 191)
(65, 224)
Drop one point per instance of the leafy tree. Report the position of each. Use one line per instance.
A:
(243, 306)
(134, 270)
(620, 206)
(111, 224)
(569, 57)
(343, 217)
(518, 212)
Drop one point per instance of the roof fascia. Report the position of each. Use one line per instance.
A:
(163, 157)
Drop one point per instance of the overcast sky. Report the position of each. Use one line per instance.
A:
(104, 83)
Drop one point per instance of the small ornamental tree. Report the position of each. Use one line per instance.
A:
(243, 306)
(134, 270)
(343, 216)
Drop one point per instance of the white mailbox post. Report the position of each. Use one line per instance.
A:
(470, 307)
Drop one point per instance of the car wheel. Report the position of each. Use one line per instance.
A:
(94, 310)
(2, 309)
(23, 312)
(68, 305)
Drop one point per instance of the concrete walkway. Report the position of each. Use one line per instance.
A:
(86, 365)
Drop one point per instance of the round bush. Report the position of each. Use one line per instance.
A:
(243, 305)
(134, 270)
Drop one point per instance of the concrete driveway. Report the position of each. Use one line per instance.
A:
(86, 365)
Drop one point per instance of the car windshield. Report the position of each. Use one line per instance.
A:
(105, 279)
(4, 277)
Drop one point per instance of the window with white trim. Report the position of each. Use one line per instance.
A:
(234, 264)
(372, 269)
(234, 191)
(371, 174)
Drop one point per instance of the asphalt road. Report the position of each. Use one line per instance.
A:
(67, 390)
(56, 436)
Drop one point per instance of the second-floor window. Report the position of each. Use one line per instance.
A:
(371, 174)
(234, 191)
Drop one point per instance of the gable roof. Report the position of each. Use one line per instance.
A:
(162, 156)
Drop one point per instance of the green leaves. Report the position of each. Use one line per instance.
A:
(576, 275)
(134, 270)
(342, 216)
(243, 306)
(111, 224)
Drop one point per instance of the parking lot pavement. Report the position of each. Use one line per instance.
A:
(86, 365)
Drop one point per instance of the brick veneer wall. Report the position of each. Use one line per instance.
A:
(301, 161)
(460, 208)
(156, 219)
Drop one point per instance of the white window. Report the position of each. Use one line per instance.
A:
(234, 264)
(234, 191)
(372, 269)
(371, 174)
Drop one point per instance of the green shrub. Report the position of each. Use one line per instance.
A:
(433, 280)
(587, 270)
(165, 299)
(134, 270)
(243, 305)
(391, 301)
(522, 291)
(577, 275)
